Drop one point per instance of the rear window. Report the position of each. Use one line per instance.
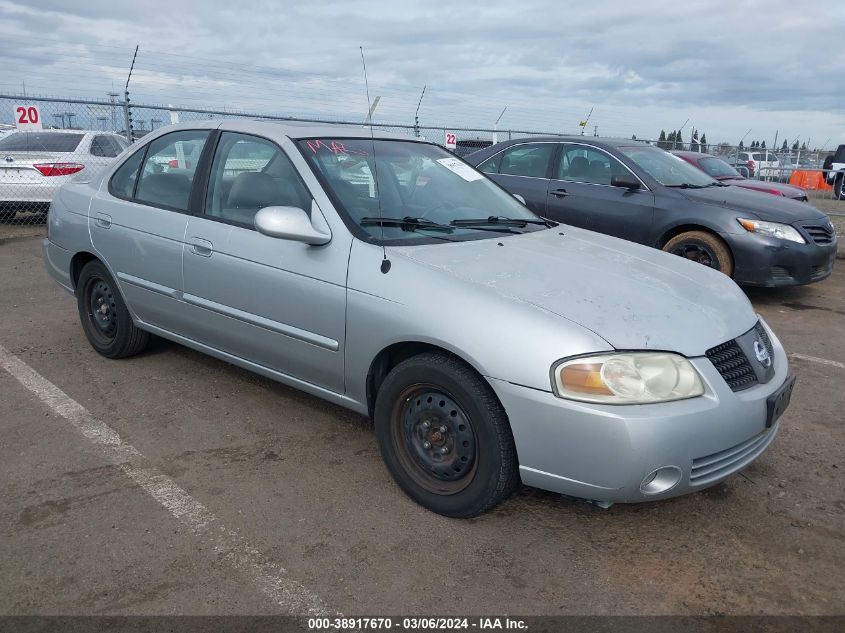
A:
(40, 142)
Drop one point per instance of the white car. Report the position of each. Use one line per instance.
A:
(33, 165)
(761, 164)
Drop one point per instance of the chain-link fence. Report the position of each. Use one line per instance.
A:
(71, 136)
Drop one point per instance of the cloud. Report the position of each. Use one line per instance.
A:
(727, 65)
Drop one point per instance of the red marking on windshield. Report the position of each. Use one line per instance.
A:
(335, 147)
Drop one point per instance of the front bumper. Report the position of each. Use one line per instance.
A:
(604, 453)
(771, 262)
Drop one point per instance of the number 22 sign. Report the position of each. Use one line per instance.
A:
(451, 140)
(27, 117)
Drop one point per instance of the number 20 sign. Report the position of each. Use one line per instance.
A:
(27, 117)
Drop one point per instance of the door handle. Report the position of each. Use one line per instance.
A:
(201, 247)
(560, 193)
(103, 220)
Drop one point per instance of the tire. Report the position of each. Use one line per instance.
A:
(839, 187)
(704, 248)
(109, 329)
(479, 467)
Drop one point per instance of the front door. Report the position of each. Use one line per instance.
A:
(580, 194)
(280, 304)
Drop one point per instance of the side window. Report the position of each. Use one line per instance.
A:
(491, 165)
(169, 168)
(249, 173)
(580, 163)
(118, 144)
(122, 183)
(101, 146)
(531, 159)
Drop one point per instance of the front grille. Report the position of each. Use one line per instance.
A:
(730, 361)
(710, 468)
(820, 233)
(764, 338)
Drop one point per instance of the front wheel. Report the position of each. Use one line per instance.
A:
(105, 319)
(702, 248)
(444, 436)
(839, 187)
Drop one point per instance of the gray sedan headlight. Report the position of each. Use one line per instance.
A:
(772, 229)
(627, 378)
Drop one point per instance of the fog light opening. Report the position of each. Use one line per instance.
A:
(661, 480)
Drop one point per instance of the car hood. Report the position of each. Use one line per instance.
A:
(758, 185)
(632, 296)
(770, 208)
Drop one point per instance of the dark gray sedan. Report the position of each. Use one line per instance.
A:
(641, 193)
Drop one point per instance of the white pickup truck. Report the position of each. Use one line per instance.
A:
(834, 166)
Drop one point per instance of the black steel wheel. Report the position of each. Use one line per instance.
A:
(703, 248)
(444, 436)
(839, 187)
(105, 319)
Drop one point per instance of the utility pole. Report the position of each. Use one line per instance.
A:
(113, 100)
(127, 115)
(417, 115)
(674, 143)
(595, 130)
(496, 126)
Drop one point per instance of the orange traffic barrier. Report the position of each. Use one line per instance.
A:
(809, 180)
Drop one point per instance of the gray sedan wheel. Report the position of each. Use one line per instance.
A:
(444, 436)
(105, 320)
(702, 248)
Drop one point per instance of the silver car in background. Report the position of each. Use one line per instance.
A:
(384, 274)
(33, 165)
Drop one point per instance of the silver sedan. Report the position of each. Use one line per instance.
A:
(490, 346)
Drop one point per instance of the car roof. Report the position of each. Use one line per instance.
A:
(598, 141)
(293, 129)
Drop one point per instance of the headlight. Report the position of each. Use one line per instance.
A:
(627, 378)
(772, 229)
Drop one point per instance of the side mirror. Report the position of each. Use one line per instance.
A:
(289, 223)
(627, 181)
(520, 198)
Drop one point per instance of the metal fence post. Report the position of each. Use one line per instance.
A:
(127, 120)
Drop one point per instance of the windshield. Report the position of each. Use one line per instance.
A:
(40, 142)
(416, 181)
(666, 168)
(718, 168)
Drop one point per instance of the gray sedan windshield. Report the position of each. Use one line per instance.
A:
(405, 180)
(666, 168)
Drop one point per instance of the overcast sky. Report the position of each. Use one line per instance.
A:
(727, 65)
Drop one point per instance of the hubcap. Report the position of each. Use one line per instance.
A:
(434, 439)
(102, 310)
(697, 253)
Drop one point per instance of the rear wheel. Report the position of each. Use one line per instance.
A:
(702, 248)
(105, 319)
(444, 436)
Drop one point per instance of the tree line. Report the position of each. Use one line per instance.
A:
(675, 140)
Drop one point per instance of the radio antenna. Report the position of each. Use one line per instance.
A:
(385, 263)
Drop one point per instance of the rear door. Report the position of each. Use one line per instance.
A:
(137, 224)
(580, 194)
(523, 169)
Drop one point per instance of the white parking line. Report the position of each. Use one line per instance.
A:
(821, 361)
(291, 596)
